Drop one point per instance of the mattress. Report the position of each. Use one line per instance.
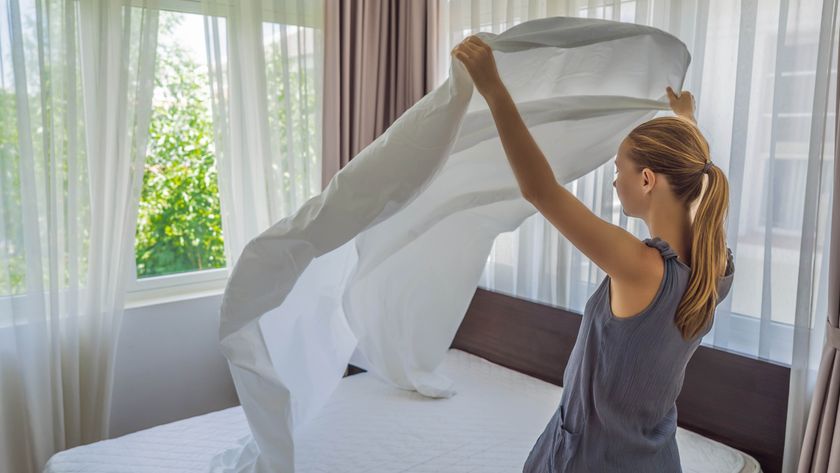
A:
(369, 426)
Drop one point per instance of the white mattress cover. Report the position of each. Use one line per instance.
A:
(370, 426)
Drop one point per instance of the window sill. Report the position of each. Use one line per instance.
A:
(176, 287)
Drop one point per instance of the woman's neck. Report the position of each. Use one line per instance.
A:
(672, 223)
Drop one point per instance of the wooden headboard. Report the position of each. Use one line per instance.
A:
(733, 399)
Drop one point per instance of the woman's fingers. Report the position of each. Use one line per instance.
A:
(466, 49)
(473, 53)
(477, 42)
(684, 96)
(472, 46)
(682, 104)
(460, 53)
(466, 54)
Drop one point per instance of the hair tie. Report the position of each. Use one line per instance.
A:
(707, 166)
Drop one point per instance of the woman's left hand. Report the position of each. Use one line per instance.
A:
(477, 56)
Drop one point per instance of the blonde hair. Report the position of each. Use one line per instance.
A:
(674, 146)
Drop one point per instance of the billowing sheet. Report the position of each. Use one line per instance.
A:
(382, 265)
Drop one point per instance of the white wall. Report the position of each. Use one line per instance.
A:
(169, 365)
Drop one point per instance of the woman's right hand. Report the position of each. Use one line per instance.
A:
(682, 104)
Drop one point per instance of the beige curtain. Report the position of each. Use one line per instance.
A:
(379, 60)
(821, 446)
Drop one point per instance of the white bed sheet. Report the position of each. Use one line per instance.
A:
(370, 426)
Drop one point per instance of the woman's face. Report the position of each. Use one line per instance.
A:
(631, 184)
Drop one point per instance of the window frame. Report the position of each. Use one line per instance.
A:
(179, 286)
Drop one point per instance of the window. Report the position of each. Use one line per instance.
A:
(180, 245)
(179, 226)
(790, 119)
(291, 64)
(774, 202)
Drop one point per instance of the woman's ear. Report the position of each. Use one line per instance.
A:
(648, 180)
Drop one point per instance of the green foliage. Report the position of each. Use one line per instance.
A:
(292, 105)
(53, 140)
(12, 273)
(291, 74)
(179, 224)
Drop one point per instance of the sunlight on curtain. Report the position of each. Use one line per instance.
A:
(75, 98)
(265, 60)
(763, 77)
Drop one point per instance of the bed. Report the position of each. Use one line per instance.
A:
(369, 426)
(507, 358)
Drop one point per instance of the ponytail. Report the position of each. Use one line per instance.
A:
(708, 250)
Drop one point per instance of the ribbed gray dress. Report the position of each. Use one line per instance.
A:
(617, 412)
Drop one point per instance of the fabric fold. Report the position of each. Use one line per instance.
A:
(382, 265)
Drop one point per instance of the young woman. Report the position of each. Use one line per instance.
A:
(641, 326)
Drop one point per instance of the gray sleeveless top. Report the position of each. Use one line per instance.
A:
(617, 412)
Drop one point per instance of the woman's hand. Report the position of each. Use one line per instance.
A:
(477, 56)
(683, 104)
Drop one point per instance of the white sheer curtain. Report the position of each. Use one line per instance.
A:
(265, 59)
(75, 96)
(762, 74)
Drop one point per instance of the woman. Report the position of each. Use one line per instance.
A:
(641, 326)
